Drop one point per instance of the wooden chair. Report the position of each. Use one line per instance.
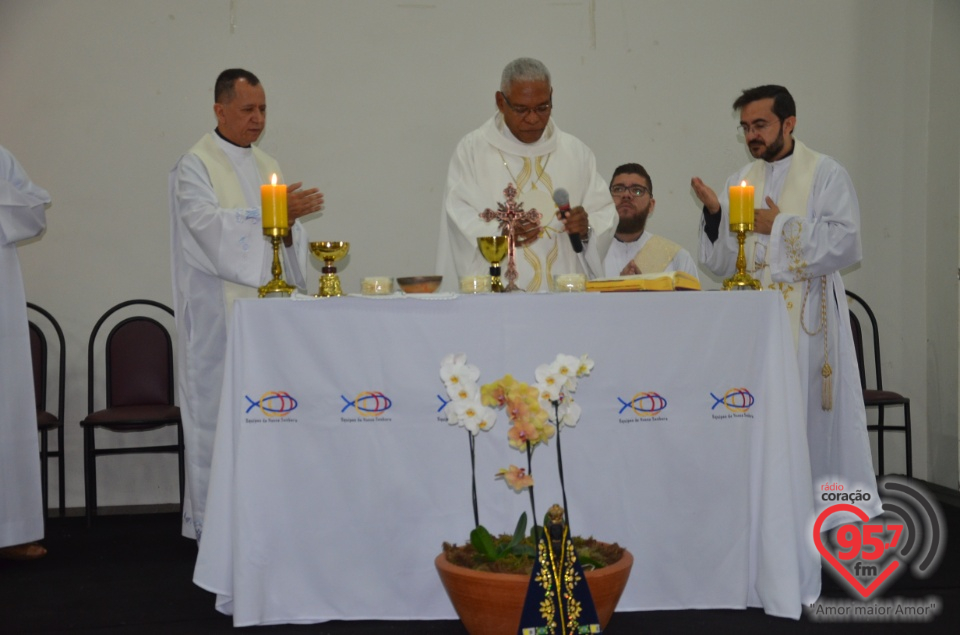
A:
(47, 422)
(138, 380)
(878, 397)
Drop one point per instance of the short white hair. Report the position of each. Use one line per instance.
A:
(523, 69)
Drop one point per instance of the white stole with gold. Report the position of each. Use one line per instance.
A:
(793, 200)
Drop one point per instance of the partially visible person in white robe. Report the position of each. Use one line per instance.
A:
(522, 146)
(634, 249)
(807, 229)
(219, 254)
(22, 215)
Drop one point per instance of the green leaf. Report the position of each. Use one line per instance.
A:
(482, 541)
(519, 532)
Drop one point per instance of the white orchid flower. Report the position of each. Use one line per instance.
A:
(549, 383)
(569, 412)
(454, 370)
(586, 365)
(566, 365)
(474, 416)
(463, 391)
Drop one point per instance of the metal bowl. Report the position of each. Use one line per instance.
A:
(420, 284)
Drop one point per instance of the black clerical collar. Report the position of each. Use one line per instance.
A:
(220, 134)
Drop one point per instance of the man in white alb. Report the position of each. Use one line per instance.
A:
(522, 146)
(635, 250)
(219, 254)
(806, 229)
(23, 208)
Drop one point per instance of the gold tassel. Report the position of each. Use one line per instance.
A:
(826, 401)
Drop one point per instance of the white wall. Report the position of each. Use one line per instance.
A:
(368, 98)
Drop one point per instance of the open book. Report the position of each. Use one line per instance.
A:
(670, 281)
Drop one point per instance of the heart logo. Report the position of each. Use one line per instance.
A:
(865, 591)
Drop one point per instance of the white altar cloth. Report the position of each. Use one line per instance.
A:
(336, 478)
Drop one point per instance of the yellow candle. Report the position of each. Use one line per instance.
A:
(273, 200)
(741, 204)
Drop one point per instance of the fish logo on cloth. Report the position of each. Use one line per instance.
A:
(737, 400)
(273, 403)
(368, 404)
(644, 404)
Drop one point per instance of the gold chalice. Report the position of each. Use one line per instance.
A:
(329, 252)
(494, 249)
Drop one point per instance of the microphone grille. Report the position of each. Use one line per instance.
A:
(561, 197)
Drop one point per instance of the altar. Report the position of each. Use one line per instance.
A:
(336, 477)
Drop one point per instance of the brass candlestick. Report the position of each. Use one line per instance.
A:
(277, 286)
(741, 281)
(329, 251)
(494, 248)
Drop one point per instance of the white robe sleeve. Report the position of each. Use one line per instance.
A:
(828, 239)
(22, 204)
(683, 261)
(460, 222)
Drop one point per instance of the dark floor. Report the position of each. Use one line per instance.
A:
(131, 574)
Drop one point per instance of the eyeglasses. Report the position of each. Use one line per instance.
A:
(635, 190)
(757, 127)
(523, 111)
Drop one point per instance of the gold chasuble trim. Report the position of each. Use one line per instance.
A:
(542, 271)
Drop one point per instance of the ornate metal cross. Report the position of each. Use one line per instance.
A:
(511, 214)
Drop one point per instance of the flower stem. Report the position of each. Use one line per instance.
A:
(533, 506)
(473, 479)
(563, 488)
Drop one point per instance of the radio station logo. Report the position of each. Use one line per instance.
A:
(867, 555)
(735, 400)
(369, 404)
(273, 404)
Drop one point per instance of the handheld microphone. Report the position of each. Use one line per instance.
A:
(562, 199)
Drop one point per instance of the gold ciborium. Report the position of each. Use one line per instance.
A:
(494, 249)
(277, 286)
(330, 252)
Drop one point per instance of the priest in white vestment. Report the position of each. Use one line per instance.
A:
(522, 146)
(635, 250)
(23, 208)
(806, 230)
(219, 254)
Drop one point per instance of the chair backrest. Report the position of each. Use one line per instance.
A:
(856, 326)
(39, 350)
(138, 359)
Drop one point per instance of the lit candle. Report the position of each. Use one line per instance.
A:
(273, 199)
(741, 204)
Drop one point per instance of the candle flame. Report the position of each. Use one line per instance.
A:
(742, 183)
(273, 179)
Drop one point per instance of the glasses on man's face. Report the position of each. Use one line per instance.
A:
(634, 190)
(756, 126)
(523, 111)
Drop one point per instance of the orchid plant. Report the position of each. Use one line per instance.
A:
(537, 413)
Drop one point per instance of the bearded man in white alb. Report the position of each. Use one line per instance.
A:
(23, 208)
(522, 146)
(635, 250)
(219, 254)
(806, 230)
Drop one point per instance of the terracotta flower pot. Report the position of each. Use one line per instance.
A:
(491, 603)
